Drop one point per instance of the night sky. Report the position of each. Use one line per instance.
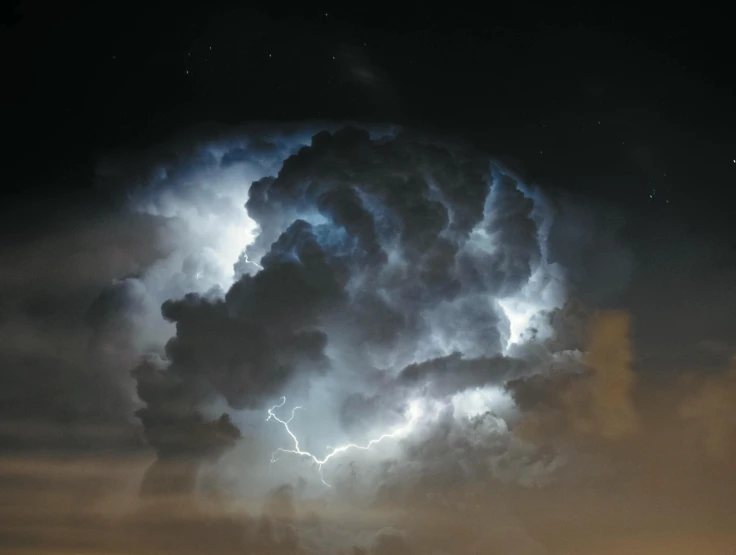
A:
(605, 100)
(126, 125)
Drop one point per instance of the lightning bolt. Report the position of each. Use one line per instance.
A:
(484, 394)
(333, 450)
(256, 264)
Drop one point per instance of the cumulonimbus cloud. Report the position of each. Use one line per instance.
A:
(381, 281)
(366, 260)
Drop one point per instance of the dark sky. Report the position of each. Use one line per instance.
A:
(625, 118)
(603, 99)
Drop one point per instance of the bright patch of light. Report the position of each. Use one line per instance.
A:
(208, 224)
(544, 292)
(474, 402)
(519, 314)
(234, 237)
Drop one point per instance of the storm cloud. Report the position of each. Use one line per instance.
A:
(386, 283)
(369, 254)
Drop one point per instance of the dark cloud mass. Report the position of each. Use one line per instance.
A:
(363, 245)
(452, 374)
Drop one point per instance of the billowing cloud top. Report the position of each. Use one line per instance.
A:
(387, 265)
